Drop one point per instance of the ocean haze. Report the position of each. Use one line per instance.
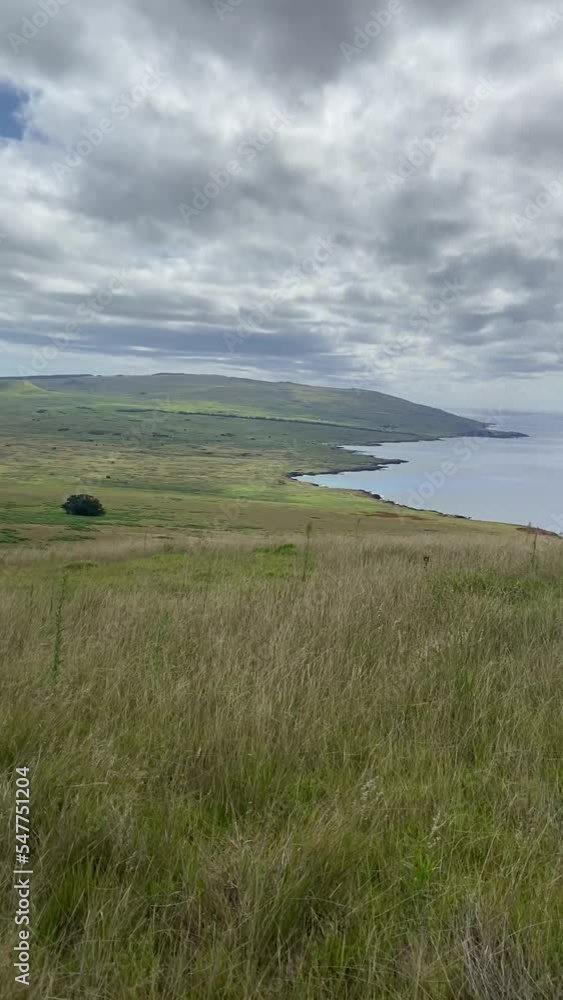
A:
(512, 480)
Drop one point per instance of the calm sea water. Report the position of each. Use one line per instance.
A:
(515, 480)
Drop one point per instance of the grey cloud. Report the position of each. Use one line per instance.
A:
(188, 283)
(295, 43)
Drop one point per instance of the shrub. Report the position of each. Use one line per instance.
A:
(83, 505)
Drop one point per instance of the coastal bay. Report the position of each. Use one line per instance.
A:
(512, 480)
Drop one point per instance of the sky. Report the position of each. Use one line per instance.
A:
(335, 192)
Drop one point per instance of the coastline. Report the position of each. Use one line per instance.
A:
(382, 464)
(296, 478)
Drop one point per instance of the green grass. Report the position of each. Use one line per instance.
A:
(160, 456)
(282, 400)
(249, 782)
(283, 741)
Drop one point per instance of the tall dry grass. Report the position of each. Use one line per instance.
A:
(344, 782)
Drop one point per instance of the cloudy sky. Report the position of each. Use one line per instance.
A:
(330, 191)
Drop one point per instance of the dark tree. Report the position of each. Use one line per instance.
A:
(83, 505)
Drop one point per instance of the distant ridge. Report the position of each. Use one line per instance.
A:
(378, 415)
(41, 378)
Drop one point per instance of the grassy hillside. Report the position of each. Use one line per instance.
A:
(282, 741)
(368, 410)
(285, 769)
(190, 452)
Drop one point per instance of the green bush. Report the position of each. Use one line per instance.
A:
(83, 505)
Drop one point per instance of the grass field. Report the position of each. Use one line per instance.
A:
(191, 453)
(299, 767)
(283, 742)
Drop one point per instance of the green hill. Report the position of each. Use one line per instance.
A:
(183, 452)
(213, 394)
(20, 387)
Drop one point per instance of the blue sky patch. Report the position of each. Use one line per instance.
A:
(11, 103)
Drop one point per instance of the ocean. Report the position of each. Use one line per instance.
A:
(513, 480)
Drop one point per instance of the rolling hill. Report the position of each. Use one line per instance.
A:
(183, 452)
(213, 394)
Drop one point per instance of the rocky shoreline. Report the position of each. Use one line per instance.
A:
(295, 476)
(490, 433)
(379, 465)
